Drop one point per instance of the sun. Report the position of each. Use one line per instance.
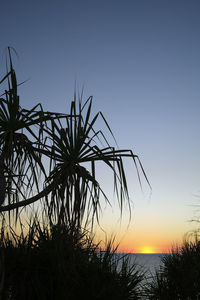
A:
(147, 249)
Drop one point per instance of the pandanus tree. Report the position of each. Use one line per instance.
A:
(20, 157)
(70, 144)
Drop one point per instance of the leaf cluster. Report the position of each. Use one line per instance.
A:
(70, 146)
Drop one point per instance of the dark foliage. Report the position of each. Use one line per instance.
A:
(58, 263)
(179, 277)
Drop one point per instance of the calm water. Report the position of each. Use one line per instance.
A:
(148, 262)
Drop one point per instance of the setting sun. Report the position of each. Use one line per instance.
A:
(147, 249)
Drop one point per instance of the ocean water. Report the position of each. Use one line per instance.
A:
(147, 262)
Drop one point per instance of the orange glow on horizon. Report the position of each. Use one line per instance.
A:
(142, 240)
(147, 249)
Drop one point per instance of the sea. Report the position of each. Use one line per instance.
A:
(148, 262)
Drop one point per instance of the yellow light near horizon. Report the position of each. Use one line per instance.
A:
(147, 249)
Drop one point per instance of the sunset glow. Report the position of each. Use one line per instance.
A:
(147, 249)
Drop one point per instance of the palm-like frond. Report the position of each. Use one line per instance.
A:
(78, 193)
(20, 156)
(71, 143)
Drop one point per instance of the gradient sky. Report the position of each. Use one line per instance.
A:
(140, 59)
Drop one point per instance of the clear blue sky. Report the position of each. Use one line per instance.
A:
(141, 62)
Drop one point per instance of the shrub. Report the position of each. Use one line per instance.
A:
(179, 277)
(57, 263)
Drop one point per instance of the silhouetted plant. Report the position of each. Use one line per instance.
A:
(20, 156)
(70, 142)
(179, 277)
(52, 157)
(55, 262)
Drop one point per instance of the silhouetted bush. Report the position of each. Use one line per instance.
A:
(179, 277)
(57, 263)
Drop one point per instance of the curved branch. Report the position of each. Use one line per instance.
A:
(33, 199)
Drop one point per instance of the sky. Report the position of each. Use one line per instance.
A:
(139, 59)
